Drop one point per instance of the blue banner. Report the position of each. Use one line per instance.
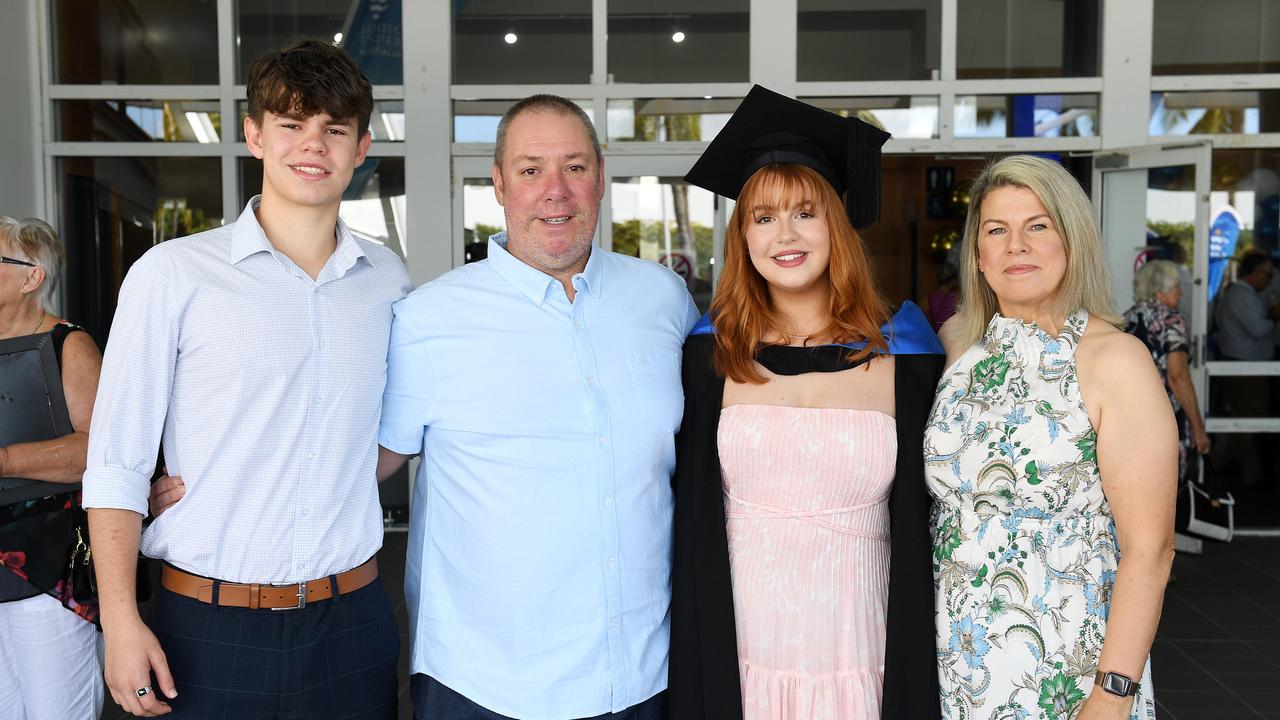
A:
(1224, 231)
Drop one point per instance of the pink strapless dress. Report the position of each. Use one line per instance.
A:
(806, 502)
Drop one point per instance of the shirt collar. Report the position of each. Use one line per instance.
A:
(248, 238)
(534, 283)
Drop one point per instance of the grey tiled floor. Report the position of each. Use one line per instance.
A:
(1216, 657)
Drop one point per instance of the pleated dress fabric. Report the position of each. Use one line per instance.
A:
(806, 504)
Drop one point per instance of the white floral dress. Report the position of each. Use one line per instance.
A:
(1024, 542)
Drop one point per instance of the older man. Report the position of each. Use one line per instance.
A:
(542, 387)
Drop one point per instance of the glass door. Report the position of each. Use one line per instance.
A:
(1156, 202)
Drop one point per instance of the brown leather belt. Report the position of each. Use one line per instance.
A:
(255, 596)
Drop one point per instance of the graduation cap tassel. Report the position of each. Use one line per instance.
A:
(862, 197)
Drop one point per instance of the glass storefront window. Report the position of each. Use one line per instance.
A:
(847, 40)
(369, 31)
(515, 42)
(670, 222)
(482, 217)
(138, 121)
(668, 119)
(373, 206)
(153, 42)
(115, 209)
(1027, 38)
(1215, 112)
(386, 123)
(662, 41)
(1192, 37)
(902, 117)
(1000, 116)
(476, 121)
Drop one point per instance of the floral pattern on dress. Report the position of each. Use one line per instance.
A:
(1024, 541)
(1163, 330)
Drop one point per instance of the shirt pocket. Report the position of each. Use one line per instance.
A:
(656, 377)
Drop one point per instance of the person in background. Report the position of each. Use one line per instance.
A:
(49, 660)
(944, 298)
(1051, 455)
(1154, 319)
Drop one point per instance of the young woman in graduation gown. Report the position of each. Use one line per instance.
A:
(801, 582)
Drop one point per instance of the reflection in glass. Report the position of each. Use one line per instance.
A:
(670, 222)
(1027, 38)
(1193, 37)
(999, 116)
(1215, 112)
(369, 31)
(138, 120)
(517, 42)
(154, 42)
(114, 209)
(481, 218)
(386, 122)
(902, 117)
(476, 121)
(668, 119)
(373, 206)
(868, 40)
(676, 41)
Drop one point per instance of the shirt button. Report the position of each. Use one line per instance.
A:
(608, 502)
(578, 324)
(604, 439)
(613, 563)
(591, 380)
(613, 624)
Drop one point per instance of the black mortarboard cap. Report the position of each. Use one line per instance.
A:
(769, 128)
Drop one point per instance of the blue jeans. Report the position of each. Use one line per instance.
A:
(434, 701)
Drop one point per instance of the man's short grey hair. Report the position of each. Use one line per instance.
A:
(544, 103)
(1156, 276)
(36, 242)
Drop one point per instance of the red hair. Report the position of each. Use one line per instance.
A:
(742, 309)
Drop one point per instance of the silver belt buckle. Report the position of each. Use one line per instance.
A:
(302, 596)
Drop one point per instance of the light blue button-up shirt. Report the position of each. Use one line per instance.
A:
(264, 387)
(538, 577)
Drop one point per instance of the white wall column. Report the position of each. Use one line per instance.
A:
(428, 115)
(1127, 28)
(773, 62)
(22, 182)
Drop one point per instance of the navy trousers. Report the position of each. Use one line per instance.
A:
(434, 701)
(332, 659)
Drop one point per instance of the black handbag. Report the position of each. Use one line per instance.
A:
(1205, 509)
(84, 584)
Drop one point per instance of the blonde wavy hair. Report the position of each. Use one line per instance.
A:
(1087, 282)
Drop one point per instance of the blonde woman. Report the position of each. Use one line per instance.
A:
(1051, 455)
(1154, 319)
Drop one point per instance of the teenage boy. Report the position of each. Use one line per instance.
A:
(255, 354)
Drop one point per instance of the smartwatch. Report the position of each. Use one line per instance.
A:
(1116, 684)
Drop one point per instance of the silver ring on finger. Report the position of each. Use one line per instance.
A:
(143, 691)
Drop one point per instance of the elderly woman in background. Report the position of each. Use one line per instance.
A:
(49, 665)
(1051, 454)
(1154, 319)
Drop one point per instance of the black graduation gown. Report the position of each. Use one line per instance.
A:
(704, 680)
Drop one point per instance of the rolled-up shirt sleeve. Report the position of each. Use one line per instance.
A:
(134, 388)
(411, 387)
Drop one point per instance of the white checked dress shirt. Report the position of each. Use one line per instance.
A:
(264, 388)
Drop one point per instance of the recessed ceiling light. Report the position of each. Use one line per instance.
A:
(337, 37)
(677, 37)
(510, 38)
